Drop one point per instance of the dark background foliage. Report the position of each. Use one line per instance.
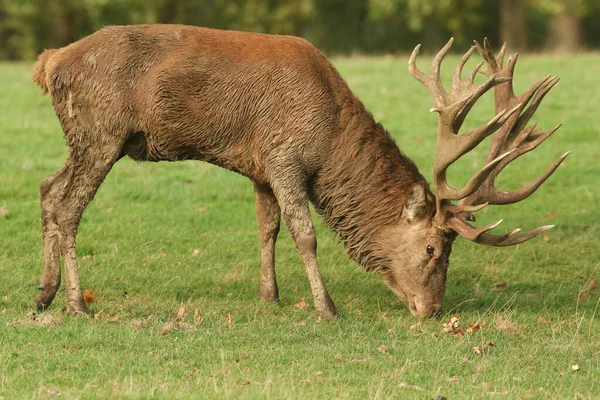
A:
(335, 26)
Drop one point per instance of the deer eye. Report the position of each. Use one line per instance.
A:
(430, 250)
(470, 217)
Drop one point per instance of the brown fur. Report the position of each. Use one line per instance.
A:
(269, 107)
(39, 71)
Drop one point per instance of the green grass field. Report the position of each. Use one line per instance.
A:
(171, 323)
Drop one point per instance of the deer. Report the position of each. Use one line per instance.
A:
(275, 110)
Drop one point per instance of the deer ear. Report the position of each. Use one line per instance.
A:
(415, 204)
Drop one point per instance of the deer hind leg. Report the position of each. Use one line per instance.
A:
(269, 216)
(49, 189)
(293, 201)
(63, 204)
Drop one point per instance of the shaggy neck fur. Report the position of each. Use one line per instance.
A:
(363, 187)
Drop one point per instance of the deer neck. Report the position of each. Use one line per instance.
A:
(361, 189)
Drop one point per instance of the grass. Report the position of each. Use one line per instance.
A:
(173, 324)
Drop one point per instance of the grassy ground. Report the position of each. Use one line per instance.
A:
(173, 324)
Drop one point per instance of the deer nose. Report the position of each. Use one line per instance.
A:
(425, 310)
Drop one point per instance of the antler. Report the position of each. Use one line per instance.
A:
(514, 134)
(509, 141)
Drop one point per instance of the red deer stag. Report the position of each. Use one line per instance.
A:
(274, 109)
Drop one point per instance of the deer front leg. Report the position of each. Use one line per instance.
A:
(294, 207)
(268, 215)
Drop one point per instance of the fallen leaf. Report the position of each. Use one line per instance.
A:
(405, 385)
(172, 325)
(301, 304)
(453, 326)
(545, 321)
(196, 252)
(575, 367)
(88, 296)
(414, 326)
(318, 373)
(102, 316)
(500, 285)
(181, 313)
(169, 326)
(162, 254)
(197, 316)
(506, 325)
(138, 324)
(228, 318)
(480, 349)
(592, 285)
(546, 238)
(474, 328)
(583, 296)
(112, 318)
(382, 349)
(4, 212)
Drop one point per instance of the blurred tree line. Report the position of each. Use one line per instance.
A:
(335, 26)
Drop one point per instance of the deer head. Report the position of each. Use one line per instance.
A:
(430, 223)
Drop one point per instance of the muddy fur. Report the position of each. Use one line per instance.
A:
(269, 107)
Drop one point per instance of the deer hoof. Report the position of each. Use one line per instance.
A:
(78, 309)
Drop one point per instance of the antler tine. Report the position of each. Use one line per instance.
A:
(547, 83)
(475, 71)
(412, 67)
(494, 63)
(456, 79)
(527, 140)
(516, 239)
(444, 191)
(524, 192)
(437, 60)
(432, 80)
(490, 194)
(479, 235)
(468, 231)
(500, 58)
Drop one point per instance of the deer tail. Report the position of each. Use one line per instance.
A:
(39, 70)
